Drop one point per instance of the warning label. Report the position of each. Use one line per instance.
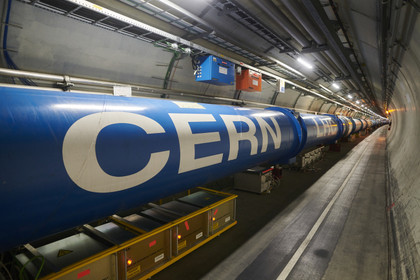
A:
(63, 252)
(223, 70)
(215, 225)
(182, 245)
(133, 271)
(160, 257)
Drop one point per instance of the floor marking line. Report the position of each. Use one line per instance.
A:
(296, 256)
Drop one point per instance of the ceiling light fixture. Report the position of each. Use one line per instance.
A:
(305, 63)
(326, 89)
(287, 67)
(349, 96)
(335, 85)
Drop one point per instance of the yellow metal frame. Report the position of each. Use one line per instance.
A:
(141, 237)
(177, 258)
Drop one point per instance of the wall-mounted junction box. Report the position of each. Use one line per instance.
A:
(215, 70)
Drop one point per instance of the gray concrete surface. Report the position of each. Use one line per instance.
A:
(362, 250)
(350, 241)
(404, 164)
(71, 47)
(254, 212)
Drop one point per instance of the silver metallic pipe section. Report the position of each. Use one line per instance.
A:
(280, 18)
(311, 29)
(411, 15)
(304, 21)
(395, 18)
(312, 8)
(68, 79)
(186, 13)
(30, 75)
(54, 78)
(327, 65)
(134, 22)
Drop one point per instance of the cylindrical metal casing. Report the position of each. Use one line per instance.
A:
(358, 125)
(347, 125)
(69, 159)
(318, 129)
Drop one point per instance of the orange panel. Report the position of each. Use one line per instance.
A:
(248, 80)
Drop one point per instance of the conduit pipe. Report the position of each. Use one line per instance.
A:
(319, 39)
(187, 13)
(140, 88)
(314, 10)
(411, 15)
(310, 28)
(281, 19)
(395, 18)
(395, 52)
(67, 79)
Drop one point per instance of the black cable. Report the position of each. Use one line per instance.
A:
(415, 5)
(9, 60)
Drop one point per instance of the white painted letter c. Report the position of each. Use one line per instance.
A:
(79, 153)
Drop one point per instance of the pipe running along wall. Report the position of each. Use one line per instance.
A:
(69, 158)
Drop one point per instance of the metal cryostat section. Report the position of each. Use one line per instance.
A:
(72, 158)
(69, 159)
(319, 129)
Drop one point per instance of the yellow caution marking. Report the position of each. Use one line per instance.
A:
(215, 225)
(182, 245)
(133, 271)
(97, 7)
(63, 252)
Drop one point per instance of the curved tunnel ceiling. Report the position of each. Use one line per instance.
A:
(269, 35)
(339, 38)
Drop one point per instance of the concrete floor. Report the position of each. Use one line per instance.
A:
(329, 223)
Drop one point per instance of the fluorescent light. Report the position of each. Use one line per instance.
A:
(349, 96)
(335, 85)
(305, 63)
(326, 89)
(288, 67)
(357, 102)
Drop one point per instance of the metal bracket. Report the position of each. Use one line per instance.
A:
(269, 49)
(66, 84)
(12, 24)
(287, 50)
(274, 98)
(32, 250)
(396, 62)
(315, 48)
(401, 44)
(227, 10)
(342, 78)
(9, 50)
(266, 64)
(96, 234)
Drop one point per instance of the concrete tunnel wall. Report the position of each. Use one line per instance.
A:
(404, 160)
(48, 42)
(52, 43)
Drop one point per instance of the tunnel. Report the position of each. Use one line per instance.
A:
(113, 113)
